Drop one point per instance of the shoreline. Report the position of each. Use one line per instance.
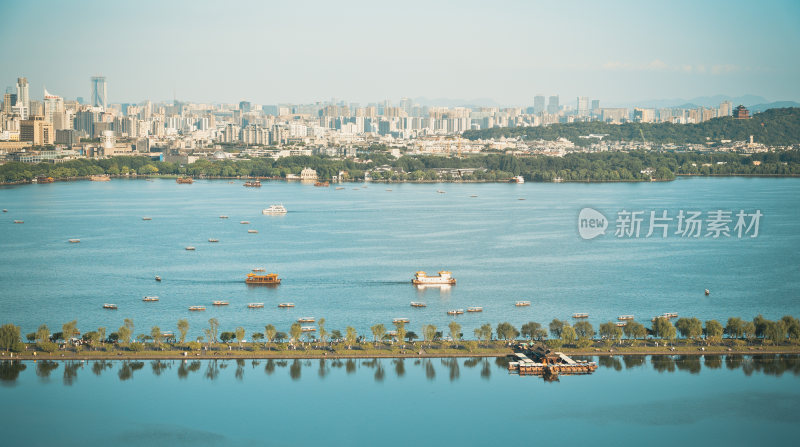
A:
(318, 354)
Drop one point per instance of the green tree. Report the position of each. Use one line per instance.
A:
(269, 333)
(506, 331)
(11, 338)
(568, 335)
(714, 331)
(69, 330)
(775, 331)
(350, 336)
(43, 334)
(428, 333)
(555, 327)
(226, 336)
(611, 332)
(323, 333)
(455, 332)
(529, 329)
(183, 329)
(295, 331)
(212, 331)
(735, 327)
(584, 330)
(792, 327)
(400, 329)
(689, 327)
(128, 323)
(124, 334)
(101, 332)
(155, 333)
(239, 335)
(749, 330)
(378, 331)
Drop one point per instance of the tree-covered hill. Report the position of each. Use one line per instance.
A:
(774, 127)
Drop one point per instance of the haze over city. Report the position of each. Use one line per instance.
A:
(475, 52)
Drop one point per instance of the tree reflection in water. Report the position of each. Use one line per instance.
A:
(101, 365)
(350, 366)
(610, 361)
(472, 362)
(399, 367)
(9, 371)
(662, 363)
(128, 367)
(712, 361)
(380, 373)
(159, 366)
(486, 370)
(212, 369)
(239, 369)
(452, 365)
(269, 368)
(295, 370)
(71, 371)
(430, 372)
(44, 368)
(322, 371)
(633, 361)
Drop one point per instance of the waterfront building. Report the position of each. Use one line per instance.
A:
(37, 131)
(99, 91)
(308, 174)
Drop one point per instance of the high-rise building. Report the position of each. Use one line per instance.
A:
(99, 91)
(538, 104)
(9, 101)
(552, 105)
(52, 104)
(244, 106)
(23, 97)
(725, 109)
(583, 105)
(37, 131)
(595, 106)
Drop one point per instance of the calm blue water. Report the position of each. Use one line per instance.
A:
(348, 255)
(466, 402)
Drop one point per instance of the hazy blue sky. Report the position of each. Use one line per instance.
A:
(304, 51)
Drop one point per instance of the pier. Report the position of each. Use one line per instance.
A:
(540, 361)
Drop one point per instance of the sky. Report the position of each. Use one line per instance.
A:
(367, 51)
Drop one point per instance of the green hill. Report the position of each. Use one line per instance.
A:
(773, 127)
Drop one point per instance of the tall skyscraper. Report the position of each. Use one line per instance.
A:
(23, 98)
(552, 105)
(99, 91)
(583, 105)
(52, 104)
(9, 101)
(595, 106)
(538, 104)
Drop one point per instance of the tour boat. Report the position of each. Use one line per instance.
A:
(322, 184)
(213, 240)
(245, 222)
(187, 180)
(625, 317)
(518, 179)
(306, 320)
(43, 179)
(580, 315)
(147, 218)
(473, 195)
(415, 304)
(220, 303)
(308, 328)
(521, 198)
(19, 221)
(253, 184)
(158, 278)
(339, 188)
(5, 210)
(100, 178)
(621, 323)
(252, 231)
(196, 308)
(269, 278)
(223, 217)
(522, 303)
(285, 305)
(388, 190)
(401, 320)
(259, 269)
(110, 306)
(255, 305)
(474, 309)
(444, 278)
(671, 314)
(440, 191)
(455, 312)
(274, 209)
(707, 292)
(150, 298)
(190, 248)
(74, 241)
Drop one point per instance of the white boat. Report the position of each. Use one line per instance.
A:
(150, 298)
(518, 179)
(274, 209)
(444, 278)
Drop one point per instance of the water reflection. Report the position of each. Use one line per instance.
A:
(774, 365)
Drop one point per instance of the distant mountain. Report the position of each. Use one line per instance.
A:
(700, 101)
(758, 108)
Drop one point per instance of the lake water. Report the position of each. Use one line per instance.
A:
(348, 255)
(660, 400)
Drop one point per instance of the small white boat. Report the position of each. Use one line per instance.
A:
(19, 221)
(190, 248)
(147, 218)
(150, 298)
(474, 309)
(440, 191)
(213, 240)
(197, 308)
(223, 217)
(252, 231)
(74, 241)
(455, 312)
(625, 317)
(285, 305)
(308, 328)
(220, 303)
(580, 315)
(274, 210)
(401, 320)
(245, 222)
(339, 188)
(110, 306)
(255, 305)
(416, 304)
(306, 320)
(522, 303)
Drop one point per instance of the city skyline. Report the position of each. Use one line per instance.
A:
(362, 52)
